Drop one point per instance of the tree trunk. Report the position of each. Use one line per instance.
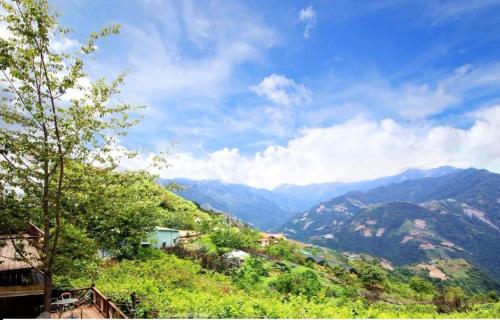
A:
(47, 291)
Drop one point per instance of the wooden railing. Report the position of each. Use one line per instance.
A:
(102, 303)
(106, 306)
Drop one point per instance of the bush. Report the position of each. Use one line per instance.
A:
(493, 296)
(148, 253)
(300, 282)
(249, 273)
(420, 285)
(372, 278)
(234, 238)
(169, 287)
(450, 299)
(286, 251)
(178, 213)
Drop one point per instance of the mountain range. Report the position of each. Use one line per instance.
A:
(269, 209)
(456, 215)
(417, 216)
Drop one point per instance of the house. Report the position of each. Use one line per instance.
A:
(21, 285)
(162, 238)
(270, 238)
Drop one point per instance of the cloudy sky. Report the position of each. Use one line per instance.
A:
(272, 92)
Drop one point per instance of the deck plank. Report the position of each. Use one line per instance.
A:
(84, 312)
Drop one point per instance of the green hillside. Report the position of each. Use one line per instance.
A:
(287, 279)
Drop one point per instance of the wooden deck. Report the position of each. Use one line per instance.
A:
(84, 312)
(96, 306)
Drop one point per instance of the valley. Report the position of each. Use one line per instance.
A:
(418, 216)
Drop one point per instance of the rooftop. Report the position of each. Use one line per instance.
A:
(272, 235)
(165, 229)
(9, 256)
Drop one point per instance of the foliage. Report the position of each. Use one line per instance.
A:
(117, 209)
(299, 281)
(371, 277)
(250, 273)
(49, 118)
(169, 287)
(421, 285)
(234, 238)
(450, 299)
(181, 214)
(286, 250)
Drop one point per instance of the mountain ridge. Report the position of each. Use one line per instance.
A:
(452, 216)
(269, 209)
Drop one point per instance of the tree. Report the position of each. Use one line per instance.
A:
(48, 118)
(298, 281)
(250, 273)
(235, 238)
(373, 279)
(421, 285)
(116, 209)
(449, 299)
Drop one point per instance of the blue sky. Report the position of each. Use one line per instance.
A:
(270, 92)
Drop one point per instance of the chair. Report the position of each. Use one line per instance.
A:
(62, 308)
(53, 307)
(41, 308)
(66, 295)
(86, 299)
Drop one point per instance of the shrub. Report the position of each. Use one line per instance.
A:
(249, 273)
(493, 296)
(298, 281)
(420, 285)
(234, 238)
(450, 299)
(371, 277)
(286, 251)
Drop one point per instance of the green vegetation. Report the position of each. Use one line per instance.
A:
(181, 214)
(281, 280)
(298, 281)
(59, 171)
(170, 287)
(421, 285)
(235, 238)
(45, 129)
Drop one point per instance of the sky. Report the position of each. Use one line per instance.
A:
(270, 92)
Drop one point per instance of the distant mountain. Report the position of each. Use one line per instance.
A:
(309, 195)
(451, 216)
(269, 209)
(259, 207)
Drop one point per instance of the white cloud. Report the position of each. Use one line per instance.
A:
(282, 90)
(190, 51)
(418, 100)
(4, 32)
(57, 43)
(63, 44)
(357, 149)
(308, 16)
(457, 9)
(78, 91)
